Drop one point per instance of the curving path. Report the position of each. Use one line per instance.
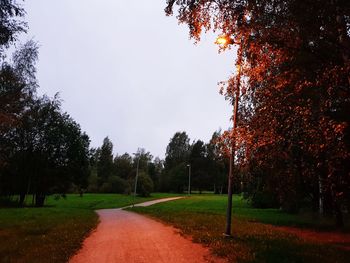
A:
(127, 237)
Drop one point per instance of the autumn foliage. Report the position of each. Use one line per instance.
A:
(293, 131)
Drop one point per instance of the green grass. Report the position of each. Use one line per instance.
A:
(203, 218)
(53, 233)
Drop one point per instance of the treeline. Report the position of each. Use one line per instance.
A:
(208, 167)
(42, 149)
(116, 174)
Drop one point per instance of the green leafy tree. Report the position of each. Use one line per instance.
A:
(175, 171)
(50, 153)
(199, 167)
(105, 160)
(177, 150)
(155, 170)
(144, 184)
(217, 164)
(123, 166)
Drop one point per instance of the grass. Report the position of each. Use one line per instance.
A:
(53, 233)
(203, 218)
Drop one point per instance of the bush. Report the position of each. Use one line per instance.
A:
(93, 183)
(118, 184)
(144, 185)
(262, 199)
(115, 184)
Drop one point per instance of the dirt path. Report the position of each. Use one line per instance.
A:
(124, 237)
(341, 240)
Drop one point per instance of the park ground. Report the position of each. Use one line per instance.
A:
(54, 233)
(258, 235)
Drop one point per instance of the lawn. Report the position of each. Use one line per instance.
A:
(53, 233)
(203, 218)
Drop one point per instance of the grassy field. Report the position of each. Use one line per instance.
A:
(203, 218)
(53, 233)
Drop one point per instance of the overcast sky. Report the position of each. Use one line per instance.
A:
(125, 70)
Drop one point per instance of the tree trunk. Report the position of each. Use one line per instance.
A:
(338, 215)
(39, 200)
(22, 197)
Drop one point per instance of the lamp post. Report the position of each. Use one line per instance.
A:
(225, 41)
(189, 179)
(137, 175)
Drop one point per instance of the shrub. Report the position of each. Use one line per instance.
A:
(263, 199)
(144, 185)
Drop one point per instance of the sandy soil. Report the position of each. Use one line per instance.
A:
(124, 237)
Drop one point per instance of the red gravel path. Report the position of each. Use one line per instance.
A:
(125, 237)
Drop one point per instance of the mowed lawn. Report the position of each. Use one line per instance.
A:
(254, 236)
(53, 233)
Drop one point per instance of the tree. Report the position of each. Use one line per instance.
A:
(294, 64)
(60, 151)
(11, 23)
(143, 158)
(155, 170)
(115, 184)
(49, 153)
(199, 167)
(144, 185)
(216, 164)
(42, 149)
(105, 160)
(177, 150)
(176, 159)
(123, 166)
(17, 86)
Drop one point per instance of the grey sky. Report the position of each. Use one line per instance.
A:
(125, 70)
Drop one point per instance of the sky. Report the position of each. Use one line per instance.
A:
(125, 70)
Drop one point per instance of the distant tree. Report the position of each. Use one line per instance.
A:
(155, 169)
(123, 166)
(105, 160)
(176, 179)
(144, 158)
(199, 167)
(175, 172)
(77, 167)
(217, 164)
(115, 184)
(177, 150)
(144, 185)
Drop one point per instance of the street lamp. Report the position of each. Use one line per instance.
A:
(225, 41)
(189, 179)
(137, 175)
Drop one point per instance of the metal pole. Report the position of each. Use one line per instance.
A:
(189, 179)
(137, 175)
(232, 155)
